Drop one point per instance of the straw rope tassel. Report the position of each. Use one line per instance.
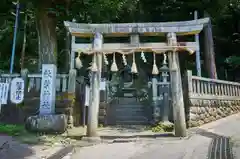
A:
(105, 59)
(124, 60)
(114, 67)
(94, 64)
(78, 62)
(134, 66)
(155, 70)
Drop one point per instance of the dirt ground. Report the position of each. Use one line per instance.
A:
(36, 146)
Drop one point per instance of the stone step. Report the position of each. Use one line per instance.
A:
(131, 117)
(125, 100)
(130, 107)
(130, 113)
(127, 110)
(128, 90)
(139, 109)
(130, 122)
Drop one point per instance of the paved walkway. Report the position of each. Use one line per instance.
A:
(12, 149)
(214, 141)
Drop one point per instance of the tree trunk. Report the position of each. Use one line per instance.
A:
(46, 26)
(209, 51)
(67, 52)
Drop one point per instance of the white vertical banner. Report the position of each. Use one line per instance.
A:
(17, 90)
(87, 95)
(4, 89)
(48, 89)
(103, 84)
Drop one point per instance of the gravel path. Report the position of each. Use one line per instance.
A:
(11, 149)
(214, 141)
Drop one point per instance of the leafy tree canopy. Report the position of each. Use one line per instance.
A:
(224, 13)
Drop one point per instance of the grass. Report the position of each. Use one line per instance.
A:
(11, 129)
(20, 134)
(162, 127)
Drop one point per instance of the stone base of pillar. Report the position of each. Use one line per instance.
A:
(156, 114)
(54, 123)
(70, 122)
(96, 139)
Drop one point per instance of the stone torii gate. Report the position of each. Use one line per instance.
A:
(99, 50)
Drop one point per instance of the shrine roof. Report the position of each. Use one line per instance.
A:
(149, 29)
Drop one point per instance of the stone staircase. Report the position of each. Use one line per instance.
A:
(127, 110)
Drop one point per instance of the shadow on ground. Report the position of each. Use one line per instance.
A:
(123, 132)
(204, 133)
(11, 149)
(24, 144)
(220, 146)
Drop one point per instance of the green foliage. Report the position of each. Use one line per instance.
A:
(224, 14)
(234, 61)
(100, 125)
(161, 127)
(12, 130)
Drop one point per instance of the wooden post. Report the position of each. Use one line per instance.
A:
(71, 93)
(189, 81)
(156, 109)
(209, 51)
(134, 41)
(176, 89)
(72, 56)
(95, 85)
(188, 90)
(24, 75)
(67, 51)
(198, 57)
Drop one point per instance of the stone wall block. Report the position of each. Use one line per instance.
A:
(211, 111)
(220, 103)
(234, 103)
(204, 111)
(205, 103)
(219, 112)
(236, 108)
(201, 122)
(214, 103)
(193, 124)
(208, 108)
(190, 103)
(194, 109)
(202, 116)
(218, 117)
(193, 117)
(207, 120)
